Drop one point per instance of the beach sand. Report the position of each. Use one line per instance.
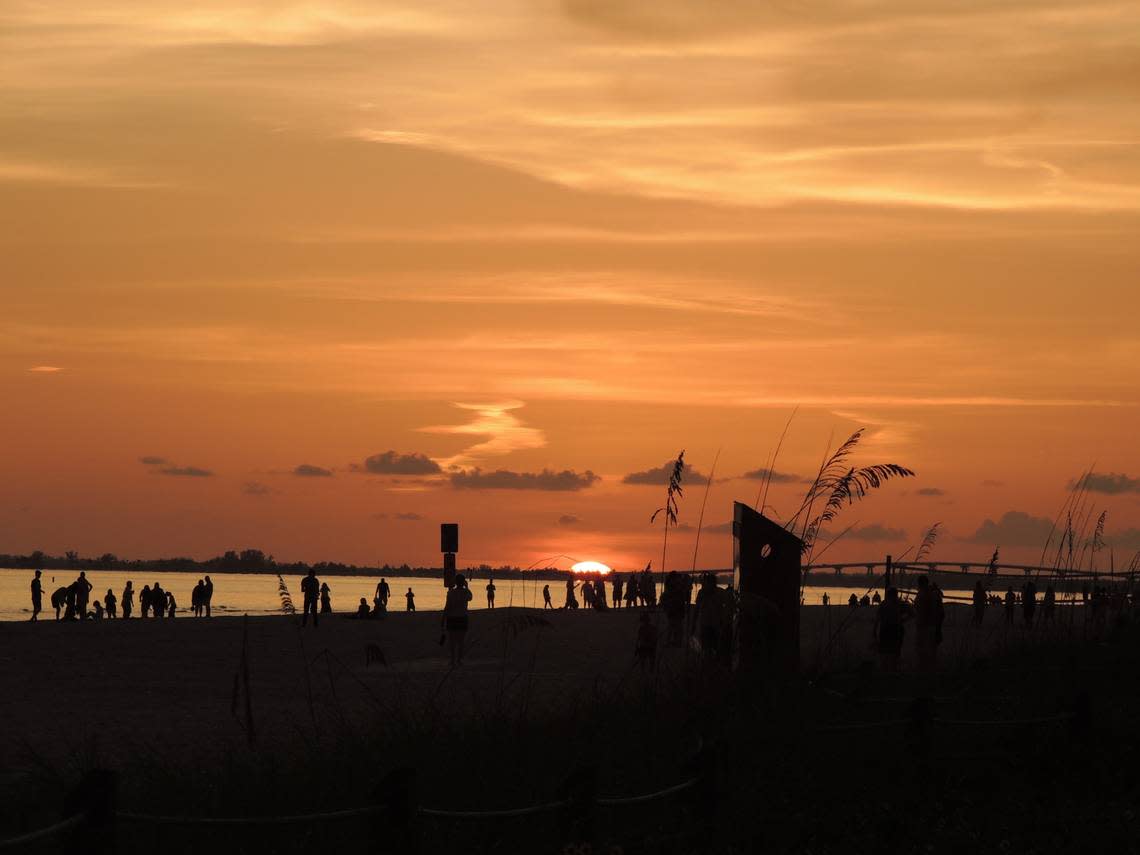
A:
(117, 685)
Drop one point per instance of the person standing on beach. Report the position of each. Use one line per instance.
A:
(128, 599)
(326, 599)
(82, 592)
(571, 600)
(383, 592)
(110, 602)
(631, 591)
(197, 606)
(158, 600)
(311, 592)
(546, 603)
(171, 604)
(889, 630)
(209, 594)
(616, 588)
(1010, 601)
(144, 602)
(490, 593)
(979, 603)
(37, 596)
(411, 598)
(455, 619)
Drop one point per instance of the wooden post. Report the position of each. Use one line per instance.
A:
(887, 576)
(580, 791)
(395, 829)
(95, 798)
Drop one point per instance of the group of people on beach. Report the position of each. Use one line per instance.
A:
(633, 590)
(74, 601)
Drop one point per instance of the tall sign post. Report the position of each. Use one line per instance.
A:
(449, 545)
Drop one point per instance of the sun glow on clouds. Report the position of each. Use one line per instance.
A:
(504, 430)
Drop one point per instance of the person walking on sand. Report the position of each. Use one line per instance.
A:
(383, 592)
(128, 600)
(490, 593)
(455, 619)
(208, 595)
(37, 596)
(326, 599)
(310, 592)
(411, 598)
(546, 603)
(1029, 603)
(889, 629)
(110, 603)
(82, 592)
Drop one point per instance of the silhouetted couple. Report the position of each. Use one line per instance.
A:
(201, 596)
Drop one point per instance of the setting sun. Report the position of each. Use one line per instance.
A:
(591, 567)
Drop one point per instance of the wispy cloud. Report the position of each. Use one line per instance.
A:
(45, 369)
(505, 433)
(187, 472)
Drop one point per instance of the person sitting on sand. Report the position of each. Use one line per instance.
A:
(96, 612)
(411, 598)
(111, 602)
(490, 593)
(362, 609)
(455, 619)
(546, 602)
(645, 648)
(311, 591)
(326, 599)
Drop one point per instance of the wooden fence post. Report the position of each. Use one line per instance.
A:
(95, 797)
(395, 828)
(580, 791)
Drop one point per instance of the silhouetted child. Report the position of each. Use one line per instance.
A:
(645, 650)
(411, 598)
(111, 602)
(171, 605)
(326, 599)
(96, 610)
(362, 609)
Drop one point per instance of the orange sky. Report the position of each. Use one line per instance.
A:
(575, 237)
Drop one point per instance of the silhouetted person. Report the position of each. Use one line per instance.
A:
(411, 598)
(455, 618)
(158, 600)
(70, 612)
(673, 602)
(707, 615)
(826, 599)
(383, 592)
(1028, 602)
(876, 600)
(645, 648)
(866, 601)
(362, 609)
(128, 599)
(144, 602)
(600, 594)
(311, 592)
(96, 610)
(326, 599)
(889, 629)
(979, 603)
(37, 596)
(853, 602)
(110, 603)
(927, 613)
(1048, 604)
(171, 604)
(209, 595)
(58, 600)
(546, 603)
(490, 593)
(647, 589)
(1010, 601)
(631, 590)
(571, 600)
(587, 594)
(198, 599)
(82, 592)
(616, 587)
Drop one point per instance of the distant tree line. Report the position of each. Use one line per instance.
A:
(255, 561)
